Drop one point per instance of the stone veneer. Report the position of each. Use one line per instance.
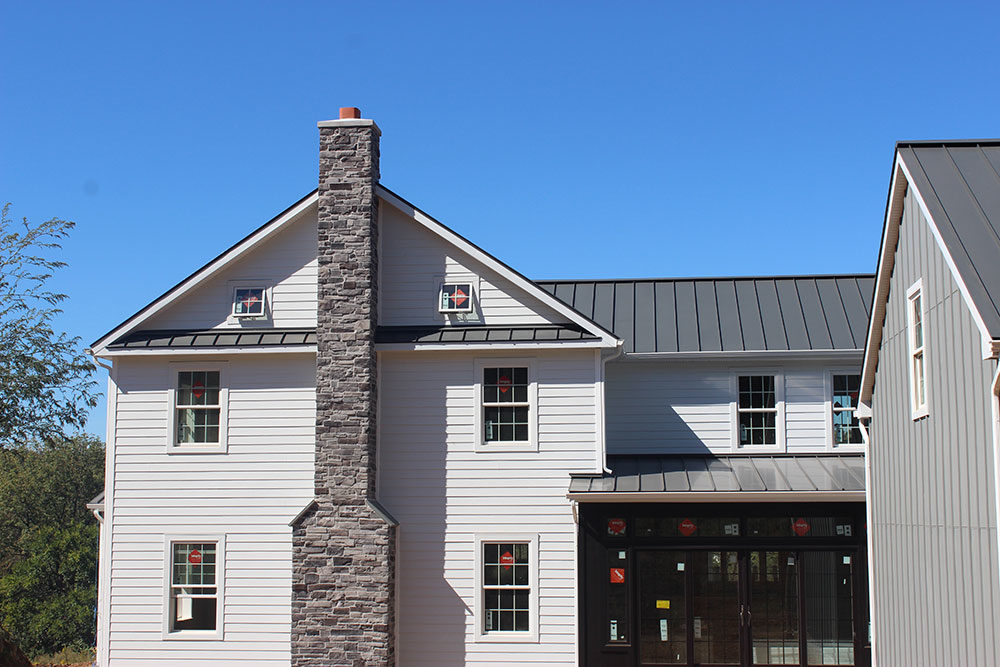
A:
(343, 547)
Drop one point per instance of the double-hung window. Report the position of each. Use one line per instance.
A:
(506, 601)
(506, 415)
(757, 410)
(198, 398)
(917, 340)
(194, 608)
(844, 405)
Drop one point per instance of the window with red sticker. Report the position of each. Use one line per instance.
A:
(197, 407)
(506, 406)
(506, 587)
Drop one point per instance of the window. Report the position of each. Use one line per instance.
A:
(757, 410)
(249, 302)
(455, 298)
(507, 588)
(194, 607)
(915, 317)
(198, 408)
(505, 404)
(844, 404)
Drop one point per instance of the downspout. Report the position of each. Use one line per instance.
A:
(619, 351)
(995, 401)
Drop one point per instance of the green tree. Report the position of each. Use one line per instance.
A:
(46, 383)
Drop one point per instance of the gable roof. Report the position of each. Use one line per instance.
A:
(959, 182)
(752, 314)
(286, 217)
(957, 186)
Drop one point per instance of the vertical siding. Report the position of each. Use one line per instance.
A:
(684, 407)
(444, 493)
(934, 557)
(249, 494)
(287, 262)
(413, 261)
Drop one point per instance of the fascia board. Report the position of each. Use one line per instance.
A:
(483, 257)
(754, 355)
(201, 351)
(243, 247)
(505, 345)
(717, 496)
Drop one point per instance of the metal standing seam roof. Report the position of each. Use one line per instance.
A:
(960, 183)
(728, 474)
(215, 338)
(727, 314)
(481, 334)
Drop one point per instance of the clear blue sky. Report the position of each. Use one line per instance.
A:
(571, 139)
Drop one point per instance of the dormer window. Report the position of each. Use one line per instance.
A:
(249, 301)
(455, 298)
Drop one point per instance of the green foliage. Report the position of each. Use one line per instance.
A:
(46, 386)
(48, 543)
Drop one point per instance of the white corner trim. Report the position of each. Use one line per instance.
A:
(608, 338)
(995, 401)
(266, 232)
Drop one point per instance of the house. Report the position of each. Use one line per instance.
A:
(930, 387)
(356, 438)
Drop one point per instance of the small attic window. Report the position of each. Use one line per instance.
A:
(249, 301)
(455, 298)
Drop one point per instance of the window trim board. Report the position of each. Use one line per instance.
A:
(917, 410)
(481, 446)
(780, 427)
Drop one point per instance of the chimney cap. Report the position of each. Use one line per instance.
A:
(349, 112)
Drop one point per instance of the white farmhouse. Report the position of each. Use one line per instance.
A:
(356, 438)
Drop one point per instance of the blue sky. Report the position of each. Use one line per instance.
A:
(577, 139)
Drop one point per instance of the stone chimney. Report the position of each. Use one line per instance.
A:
(344, 544)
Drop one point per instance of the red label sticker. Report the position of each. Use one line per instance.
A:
(194, 557)
(618, 575)
(616, 527)
(504, 383)
(460, 297)
(506, 559)
(198, 389)
(250, 301)
(801, 527)
(687, 527)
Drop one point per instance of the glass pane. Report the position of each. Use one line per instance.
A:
(715, 623)
(662, 607)
(193, 563)
(756, 391)
(801, 526)
(505, 424)
(192, 613)
(249, 301)
(774, 601)
(198, 388)
(829, 584)
(687, 526)
(618, 615)
(757, 428)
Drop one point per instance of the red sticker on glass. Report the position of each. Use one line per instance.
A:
(687, 527)
(194, 557)
(616, 527)
(801, 527)
(618, 575)
(198, 389)
(460, 297)
(504, 383)
(506, 559)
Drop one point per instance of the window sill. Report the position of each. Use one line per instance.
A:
(920, 414)
(193, 635)
(197, 449)
(500, 447)
(508, 637)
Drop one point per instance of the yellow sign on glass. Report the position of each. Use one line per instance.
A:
(663, 604)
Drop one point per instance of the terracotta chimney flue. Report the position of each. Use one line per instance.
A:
(349, 112)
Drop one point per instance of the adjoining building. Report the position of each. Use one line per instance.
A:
(355, 437)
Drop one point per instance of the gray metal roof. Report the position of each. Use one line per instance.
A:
(727, 314)
(481, 334)
(215, 338)
(727, 474)
(960, 183)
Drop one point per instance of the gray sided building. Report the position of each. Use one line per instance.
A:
(930, 380)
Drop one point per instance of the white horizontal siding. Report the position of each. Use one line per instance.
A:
(249, 495)
(672, 408)
(444, 493)
(287, 262)
(413, 262)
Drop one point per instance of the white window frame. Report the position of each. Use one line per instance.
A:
(480, 437)
(831, 443)
(471, 316)
(918, 409)
(173, 447)
(220, 586)
(251, 320)
(480, 634)
(454, 311)
(779, 404)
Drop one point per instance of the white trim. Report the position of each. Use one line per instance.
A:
(496, 265)
(716, 496)
(106, 530)
(180, 366)
(218, 351)
(832, 446)
(995, 401)
(455, 311)
(198, 277)
(531, 445)
(779, 405)
(918, 409)
(479, 634)
(220, 586)
(266, 318)
(504, 345)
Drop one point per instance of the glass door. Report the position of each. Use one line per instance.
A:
(774, 607)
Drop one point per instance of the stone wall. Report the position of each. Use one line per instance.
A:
(343, 549)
